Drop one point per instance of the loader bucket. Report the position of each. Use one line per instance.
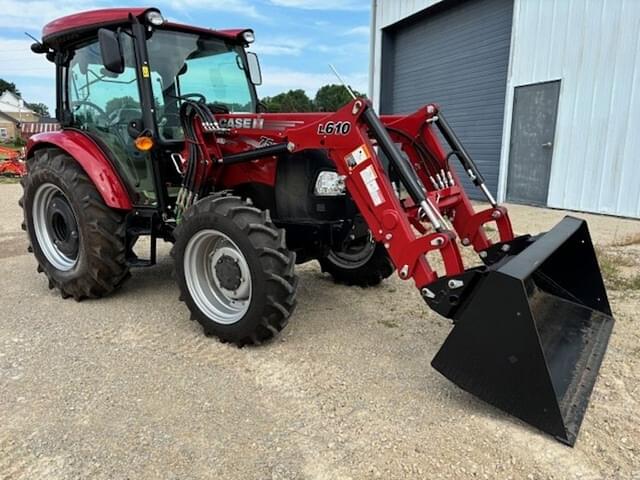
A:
(533, 333)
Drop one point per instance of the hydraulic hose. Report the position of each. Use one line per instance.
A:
(406, 172)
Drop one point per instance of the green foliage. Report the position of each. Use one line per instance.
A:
(40, 108)
(291, 101)
(121, 102)
(328, 99)
(332, 97)
(612, 272)
(4, 85)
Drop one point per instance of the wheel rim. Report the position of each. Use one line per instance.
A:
(56, 227)
(355, 254)
(217, 276)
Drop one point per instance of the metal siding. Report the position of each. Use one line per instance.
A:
(385, 13)
(593, 47)
(457, 57)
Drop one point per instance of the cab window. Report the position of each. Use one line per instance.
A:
(105, 105)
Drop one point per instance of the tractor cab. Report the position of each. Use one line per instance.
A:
(123, 75)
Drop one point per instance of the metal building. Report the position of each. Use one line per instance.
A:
(545, 94)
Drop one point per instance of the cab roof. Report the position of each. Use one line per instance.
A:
(65, 29)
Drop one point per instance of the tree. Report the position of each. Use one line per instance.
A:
(121, 102)
(40, 108)
(291, 101)
(4, 85)
(331, 97)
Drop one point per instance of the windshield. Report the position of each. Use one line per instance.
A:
(211, 69)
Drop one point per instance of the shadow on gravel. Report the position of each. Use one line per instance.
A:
(468, 405)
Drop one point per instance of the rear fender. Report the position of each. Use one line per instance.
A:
(93, 161)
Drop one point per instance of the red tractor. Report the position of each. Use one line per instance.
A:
(164, 136)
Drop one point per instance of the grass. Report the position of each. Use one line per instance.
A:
(613, 276)
(632, 239)
(11, 145)
(634, 282)
(388, 323)
(7, 180)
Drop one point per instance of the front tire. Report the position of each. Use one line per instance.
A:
(363, 264)
(78, 241)
(234, 271)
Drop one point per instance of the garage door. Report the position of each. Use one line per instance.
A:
(457, 55)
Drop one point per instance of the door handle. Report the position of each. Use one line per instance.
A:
(547, 145)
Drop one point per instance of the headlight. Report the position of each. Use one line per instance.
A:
(329, 184)
(248, 36)
(154, 18)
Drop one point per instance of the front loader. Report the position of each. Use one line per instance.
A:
(163, 136)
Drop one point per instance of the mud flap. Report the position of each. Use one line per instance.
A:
(530, 336)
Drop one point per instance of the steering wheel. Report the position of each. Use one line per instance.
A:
(102, 113)
(175, 98)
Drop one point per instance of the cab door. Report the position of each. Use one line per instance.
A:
(106, 106)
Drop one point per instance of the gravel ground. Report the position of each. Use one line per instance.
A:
(128, 387)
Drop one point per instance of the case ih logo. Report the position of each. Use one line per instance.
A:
(242, 122)
(259, 123)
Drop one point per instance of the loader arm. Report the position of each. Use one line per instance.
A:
(400, 224)
(531, 325)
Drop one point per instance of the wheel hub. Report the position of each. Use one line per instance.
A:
(218, 276)
(228, 273)
(55, 227)
(62, 226)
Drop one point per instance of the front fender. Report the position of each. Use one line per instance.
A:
(93, 161)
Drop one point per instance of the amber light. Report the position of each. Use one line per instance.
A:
(144, 143)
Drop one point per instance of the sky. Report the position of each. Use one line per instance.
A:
(295, 39)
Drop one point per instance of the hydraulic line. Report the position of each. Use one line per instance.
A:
(465, 159)
(194, 183)
(406, 172)
(431, 165)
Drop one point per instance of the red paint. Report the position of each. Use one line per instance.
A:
(91, 159)
(89, 19)
(95, 19)
(9, 153)
(12, 165)
(13, 168)
(392, 222)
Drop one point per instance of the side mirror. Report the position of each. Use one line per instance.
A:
(111, 51)
(254, 68)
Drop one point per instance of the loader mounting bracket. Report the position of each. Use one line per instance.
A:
(447, 294)
(500, 250)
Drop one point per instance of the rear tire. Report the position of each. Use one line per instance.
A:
(364, 268)
(234, 271)
(78, 241)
